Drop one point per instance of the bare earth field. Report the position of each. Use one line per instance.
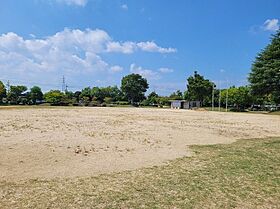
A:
(69, 142)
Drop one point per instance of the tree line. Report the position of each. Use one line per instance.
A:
(263, 88)
(131, 92)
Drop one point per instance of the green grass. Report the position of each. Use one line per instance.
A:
(274, 113)
(245, 174)
(216, 109)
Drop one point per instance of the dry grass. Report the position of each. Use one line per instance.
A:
(245, 174)
(274, 113)
(42, 142)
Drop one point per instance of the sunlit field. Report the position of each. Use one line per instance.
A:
(114, 157)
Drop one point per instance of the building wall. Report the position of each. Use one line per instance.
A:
(176, 104)
(185, 104)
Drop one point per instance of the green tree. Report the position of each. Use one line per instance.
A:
(2, 91)
(15, 93)
(113, 92)
(134, 87)
(265, 72)
(36, 94)
(238, 98)
(153, 98)
(55, 97)
(198, 88)
(164, 101)
(76, 96)
(70, 97)
(86, 95)
(176, 95)
(108, 100)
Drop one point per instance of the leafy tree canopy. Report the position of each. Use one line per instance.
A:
(265, 71)
(111, 92)
(152, 98)
(2, 91)
(238, 98)
(55, 97)
(176, 95)
(134, 86)
(16, 92)
(36, 94)
(198, 88)
(86, 93)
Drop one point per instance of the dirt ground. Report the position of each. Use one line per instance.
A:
(69, 142)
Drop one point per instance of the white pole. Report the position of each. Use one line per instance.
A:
(227, 98)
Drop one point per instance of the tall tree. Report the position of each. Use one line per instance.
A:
(2, 91)
(36, 94)
(265, 71)
(97, 94)
(152, 98)
(238, 97)
(134, 87)
(112, 92)
(15, 93)
(177, 95)
(198, 88)
(86, 94)
(77, 96)
(55, 97)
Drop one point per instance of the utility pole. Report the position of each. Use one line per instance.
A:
(63, 84)
(66, 88)
(213, 92)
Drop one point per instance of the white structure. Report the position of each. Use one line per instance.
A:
(184, 104)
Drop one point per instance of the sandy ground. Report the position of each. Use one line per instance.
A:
(75, 142)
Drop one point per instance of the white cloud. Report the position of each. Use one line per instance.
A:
(130, 47)
(124, 7)
(271, 25)
(165, 70)
(69, 52)
(74, 2)
(32, 35)
(116, 68)
(146, 73)
(126, 47)
(151, 46)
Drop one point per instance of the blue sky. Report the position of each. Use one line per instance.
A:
(97, 42)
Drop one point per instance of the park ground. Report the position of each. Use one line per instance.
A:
(132, 157)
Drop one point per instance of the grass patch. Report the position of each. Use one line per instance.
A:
(216, 109)
(274, 113)
(245, 174)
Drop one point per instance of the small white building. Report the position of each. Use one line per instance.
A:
(184, 104)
